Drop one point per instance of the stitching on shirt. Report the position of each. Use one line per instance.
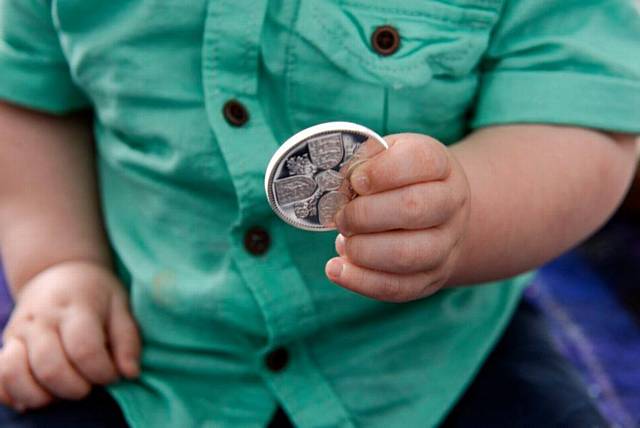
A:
(244, 84)
(291, 59)
(477, 23)
(484, 4)
(214, 54)
(247, 53)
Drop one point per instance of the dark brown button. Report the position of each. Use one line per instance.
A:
(257, 241)
(235, 113)
(385, 40)
(277, 359)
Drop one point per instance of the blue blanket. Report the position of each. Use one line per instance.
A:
(596, 332)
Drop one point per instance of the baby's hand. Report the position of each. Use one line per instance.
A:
(400, 239)
(71, 328)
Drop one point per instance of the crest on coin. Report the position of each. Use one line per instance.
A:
(295, 188)
(350, 146)
(301, 165)
(326, 151)
(329, 180)
(329, 204)
(307, 207)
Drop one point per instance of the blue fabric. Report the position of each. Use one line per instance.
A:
(525, 383)
(98, 410)
(5, 302)
(595, 330)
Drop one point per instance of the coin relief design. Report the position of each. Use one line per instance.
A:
(306, 183)
(294, 188)
(329, 204)
(326, 151)
(311, 177)
(329, 180)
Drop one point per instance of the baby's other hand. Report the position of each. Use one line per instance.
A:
(71, 328)
(401, 237)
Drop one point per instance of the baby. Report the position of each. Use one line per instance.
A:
(142, 253)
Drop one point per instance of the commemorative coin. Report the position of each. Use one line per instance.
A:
(307, 179)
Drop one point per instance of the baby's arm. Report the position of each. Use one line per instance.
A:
(71, 325)
(537, 191)
(504, 200)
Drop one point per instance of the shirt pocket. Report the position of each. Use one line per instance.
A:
(335, 73)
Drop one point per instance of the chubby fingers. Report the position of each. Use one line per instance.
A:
(384, 286)
(84, 341)
(51, 366)
(411, 158)
(416, 206)
(19, 386)
(124, 337)
(402, 252)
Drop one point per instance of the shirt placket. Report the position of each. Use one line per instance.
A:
(230, 79)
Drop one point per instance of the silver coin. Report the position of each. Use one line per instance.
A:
(326, 151)
(329, 180)
(305, 180)
(294, 188)
(329, 205)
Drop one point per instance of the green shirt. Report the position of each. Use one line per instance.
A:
(181, 186)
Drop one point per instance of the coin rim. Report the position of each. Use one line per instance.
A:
(291, 144)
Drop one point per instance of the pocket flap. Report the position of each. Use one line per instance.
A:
(435, 40)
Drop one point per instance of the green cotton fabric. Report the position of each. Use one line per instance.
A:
(180, 186)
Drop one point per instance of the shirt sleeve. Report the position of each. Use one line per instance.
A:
(570, 62)
(34, 72)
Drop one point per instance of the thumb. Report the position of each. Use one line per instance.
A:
(124, 338)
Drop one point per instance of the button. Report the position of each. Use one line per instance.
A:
(277, 359)
(235, 113)
(257, 241)
(385, 40)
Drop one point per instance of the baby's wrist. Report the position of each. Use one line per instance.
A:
(73, 264)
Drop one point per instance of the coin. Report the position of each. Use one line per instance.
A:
(328, 205)
(306, 181)
(326, 151)
(329, 180)
(294, 188)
